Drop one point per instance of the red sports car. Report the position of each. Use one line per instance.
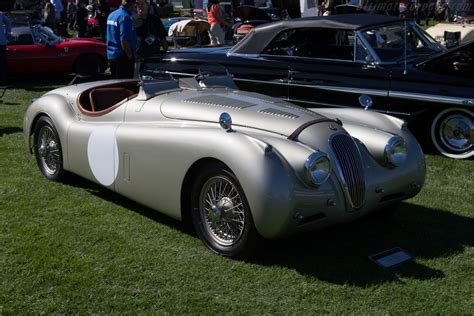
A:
(38, 49)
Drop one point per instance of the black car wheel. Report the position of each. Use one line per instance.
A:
(452, 133)
(47, 149)
(89, 65)
(221, 214)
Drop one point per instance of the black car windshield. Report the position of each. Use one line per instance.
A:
(388, 42)
(42, 34)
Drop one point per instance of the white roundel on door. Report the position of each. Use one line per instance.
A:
(102, 153)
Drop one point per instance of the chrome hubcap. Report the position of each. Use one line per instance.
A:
(48, 150)
(222, 210)
(456, 132)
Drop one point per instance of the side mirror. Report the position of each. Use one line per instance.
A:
(366, 101)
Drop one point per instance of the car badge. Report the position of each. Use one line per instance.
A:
(332, 127)
(66, 49)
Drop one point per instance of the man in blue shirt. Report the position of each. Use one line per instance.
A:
(5, 30)
(121, 41)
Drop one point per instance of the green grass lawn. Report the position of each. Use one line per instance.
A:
(79, 248)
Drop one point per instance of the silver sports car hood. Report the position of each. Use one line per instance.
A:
(246, 109)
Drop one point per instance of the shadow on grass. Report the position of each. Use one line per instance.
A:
(108, 195)
(338, 254)
(9, 130)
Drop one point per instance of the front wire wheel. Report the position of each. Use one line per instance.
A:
(221, 214)
(452, 133)
(47, 148)
(222, 211)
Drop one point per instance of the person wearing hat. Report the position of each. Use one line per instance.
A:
(121, 41)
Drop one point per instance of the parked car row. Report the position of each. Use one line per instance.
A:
(313, 62)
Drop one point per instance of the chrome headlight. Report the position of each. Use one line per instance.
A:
(317, 168)
(396, 151)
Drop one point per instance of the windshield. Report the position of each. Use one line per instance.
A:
(388, 42)
(42, 34)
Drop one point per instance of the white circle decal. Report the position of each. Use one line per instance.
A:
(102, 152)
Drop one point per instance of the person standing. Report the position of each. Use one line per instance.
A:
(48, 15)
(101, 14)
(121, 41)
(71, 13)
(151, 34)
(81, 18)
(216, 20)
(5, 31)
(58, 9)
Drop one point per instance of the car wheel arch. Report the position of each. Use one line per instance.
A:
(32, 129)
(188, 181)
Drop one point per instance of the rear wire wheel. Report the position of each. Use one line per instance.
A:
(221, 214)
(47, 149)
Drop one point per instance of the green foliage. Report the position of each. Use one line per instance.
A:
(79, 248)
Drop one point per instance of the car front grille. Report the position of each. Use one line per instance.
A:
(351, 169)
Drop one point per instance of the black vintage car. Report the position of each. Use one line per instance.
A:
(333, 61)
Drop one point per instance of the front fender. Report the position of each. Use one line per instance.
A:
(57, 108)
(370, 119)
(158, 158)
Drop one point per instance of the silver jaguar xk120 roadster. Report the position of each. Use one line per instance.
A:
(239, 165)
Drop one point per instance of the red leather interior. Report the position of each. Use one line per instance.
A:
(104, 98)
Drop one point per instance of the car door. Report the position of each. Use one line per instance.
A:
(331, 67)
(92, 145)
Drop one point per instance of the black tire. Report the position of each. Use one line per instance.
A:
(48, 150)
(243, 238)
(89, 65)
(451, 133)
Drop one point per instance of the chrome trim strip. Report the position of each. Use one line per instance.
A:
(431, 98)
(349, 106)
(242, 55)
(180, 73)
(282, 83)
(381, 93)
(302, 58)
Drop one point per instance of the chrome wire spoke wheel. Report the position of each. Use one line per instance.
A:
(456, 132)
(222, 210)
(48, 150)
